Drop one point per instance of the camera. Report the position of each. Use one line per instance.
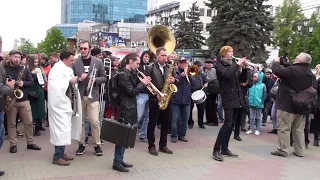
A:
(284, 60)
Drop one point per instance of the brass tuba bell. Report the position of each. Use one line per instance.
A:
(161, 36)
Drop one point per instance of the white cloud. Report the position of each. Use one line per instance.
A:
(27, 19)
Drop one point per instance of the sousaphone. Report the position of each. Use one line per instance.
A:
(161, 36)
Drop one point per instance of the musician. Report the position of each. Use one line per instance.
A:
(97, 52)
(128, 108)
(200, 82)
(157, 72)
(83, 68)
(24, 80)
(143, 101)
(36, 95)
(59, 105)
(6, 88)
(228, 74)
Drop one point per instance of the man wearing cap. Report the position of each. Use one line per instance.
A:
(200, 82)
(97, 52)
(23, 79)
(230, 76)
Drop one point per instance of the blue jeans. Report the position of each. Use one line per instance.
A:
(58, 152)
(118, 155)
(179, 122)
(274, 116)
(220, 108)
(2, 130)
(255, 114)
(143, 114)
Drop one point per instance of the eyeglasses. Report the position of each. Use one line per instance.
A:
(83, 48)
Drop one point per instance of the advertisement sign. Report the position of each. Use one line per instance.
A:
(122, 52)
(107, 40)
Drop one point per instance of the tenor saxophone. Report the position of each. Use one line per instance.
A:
(167, 89)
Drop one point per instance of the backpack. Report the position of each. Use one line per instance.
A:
(113, 90)
(213, 85)
(304, 101)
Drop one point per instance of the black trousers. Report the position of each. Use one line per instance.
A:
(211, 109)
(161, 116)
(239, 123)
(200, 108)
(231, 117)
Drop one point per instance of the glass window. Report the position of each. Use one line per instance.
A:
(201, 11)
(209, 12)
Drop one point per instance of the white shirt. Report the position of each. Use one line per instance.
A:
(161, 68)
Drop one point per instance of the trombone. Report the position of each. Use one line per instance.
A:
(260, 66)
(91, 81)
(193, 70)
(152, 88)
(107, 64)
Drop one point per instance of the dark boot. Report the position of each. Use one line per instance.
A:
(316, 139)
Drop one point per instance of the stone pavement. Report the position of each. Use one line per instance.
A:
(190, 161)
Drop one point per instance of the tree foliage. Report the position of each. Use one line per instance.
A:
(53, 42)
(28, 48)
(244, 25)
(188, 33)
(286, 35)
(313, 40)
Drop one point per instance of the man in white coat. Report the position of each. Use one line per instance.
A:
(59, 107)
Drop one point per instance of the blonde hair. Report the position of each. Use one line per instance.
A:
(317, 71)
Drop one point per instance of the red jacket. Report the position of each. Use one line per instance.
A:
(46, 71)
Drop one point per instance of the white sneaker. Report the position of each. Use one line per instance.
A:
(249, 132)
(257, 133)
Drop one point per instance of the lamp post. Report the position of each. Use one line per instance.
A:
(305, 28)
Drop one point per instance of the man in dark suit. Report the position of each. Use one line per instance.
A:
(83, 68)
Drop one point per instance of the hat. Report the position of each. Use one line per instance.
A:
(114, 58)
(209, 61)
(224, 50)
(182, 59)
(15, 51)
(95, 51)
(197, 63)
(268, 70)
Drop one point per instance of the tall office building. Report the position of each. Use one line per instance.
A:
(103, 11)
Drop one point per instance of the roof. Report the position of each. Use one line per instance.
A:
(164, 7)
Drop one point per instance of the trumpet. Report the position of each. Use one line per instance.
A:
(260, 66)
(91, 81)
(193, 70)
(152, 88)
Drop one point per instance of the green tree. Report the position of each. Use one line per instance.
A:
(244, 25)
(196, 26)
(285, 28)
(27, 47)
(54, 42)
(182, 33)
(313, 40)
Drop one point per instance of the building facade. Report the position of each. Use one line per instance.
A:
(67, 30)
(103, 11)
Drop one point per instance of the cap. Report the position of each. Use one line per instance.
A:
(95, 51)
(224, 50)
(209, 61)
(182, 59)
(197, 63)
(15, 51)
(268, 70)
(114, 58)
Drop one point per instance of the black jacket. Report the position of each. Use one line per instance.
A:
(246, 77)
(184, 89)
(4, 90)
(129, 91)
(297, 75)
(200, 80)
(229, 80)
(27, 79)
(157, 78)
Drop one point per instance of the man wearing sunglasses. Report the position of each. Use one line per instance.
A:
(82, 68)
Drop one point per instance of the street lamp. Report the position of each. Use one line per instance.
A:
(305, 28)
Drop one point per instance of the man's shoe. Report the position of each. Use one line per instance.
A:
(229, 153)
(277, 153)
(174, 140)
(183, 139)
(212, 124)
(165, 150)
(273, 131)
(243, 130)
(298, 155)
(238, 138)
(1, 173)
(60, 162)
(126, 165)
(120, 168)
(217, 156)
(80, 150)
(67, 158)
(316, 143)
(190, 127)
(42, 128)
(153, 151)
(98, 151)
(13, 149)
(201, 126)
(33, 147)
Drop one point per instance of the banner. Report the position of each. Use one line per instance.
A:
(107, 40)
(122, 52)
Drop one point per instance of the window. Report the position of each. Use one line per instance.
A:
(201, 11)
(209, 12)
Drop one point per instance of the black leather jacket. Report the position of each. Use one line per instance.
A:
(158, 79)
(4, 90)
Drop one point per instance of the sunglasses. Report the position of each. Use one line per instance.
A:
(83, 48)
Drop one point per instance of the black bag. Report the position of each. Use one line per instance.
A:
(214, 87)
(118, 133)
(33, 95)
(113, 90)
(304, 101)
(274, 89)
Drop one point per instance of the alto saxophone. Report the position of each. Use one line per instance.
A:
(17, 93)
(168, 89)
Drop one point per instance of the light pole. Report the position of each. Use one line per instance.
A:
(305, 28)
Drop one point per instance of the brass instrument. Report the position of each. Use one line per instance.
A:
(91, 81)
(260, 66)
(193, 70)
(168, 89)
(17, 93)
(151, 87)
(107, 64)
(161, 36)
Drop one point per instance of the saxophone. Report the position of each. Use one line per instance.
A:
(167, 89)
(17, 93)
